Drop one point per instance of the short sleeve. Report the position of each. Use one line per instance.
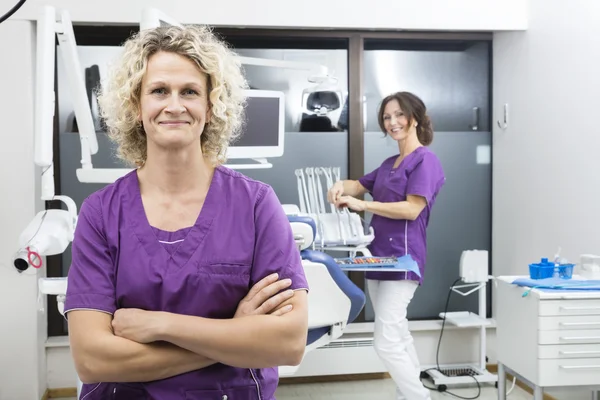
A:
(275, 249)
(427, 178)
(368, 181)
(91, 277)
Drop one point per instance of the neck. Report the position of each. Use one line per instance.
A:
(175, 172)
(408, 145)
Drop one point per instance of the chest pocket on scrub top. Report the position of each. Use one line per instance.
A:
(396, 185)
(225, 284)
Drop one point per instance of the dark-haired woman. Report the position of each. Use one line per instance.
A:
(404, 189)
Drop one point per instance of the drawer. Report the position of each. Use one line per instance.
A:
(569, 307)
(569, 351)
(569, 372)
(569, 322)
(568, 336)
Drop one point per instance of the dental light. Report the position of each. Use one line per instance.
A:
(51, 231)
(152, 18)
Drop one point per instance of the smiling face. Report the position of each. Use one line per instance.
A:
(396, 123)
(174, 104)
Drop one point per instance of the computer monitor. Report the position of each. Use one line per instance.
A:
(264, 126)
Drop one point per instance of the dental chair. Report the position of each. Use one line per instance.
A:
(334, 300)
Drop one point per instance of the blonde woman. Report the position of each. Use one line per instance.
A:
(185, 281)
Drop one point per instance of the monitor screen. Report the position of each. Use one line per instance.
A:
(264, 126)
(261, 125)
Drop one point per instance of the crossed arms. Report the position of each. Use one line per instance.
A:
(269, 329)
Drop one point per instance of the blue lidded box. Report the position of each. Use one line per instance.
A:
(546, 269)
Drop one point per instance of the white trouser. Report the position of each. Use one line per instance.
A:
(393, 342)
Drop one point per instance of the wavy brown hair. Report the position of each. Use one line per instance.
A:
(415, 110)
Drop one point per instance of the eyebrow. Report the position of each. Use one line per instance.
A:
(163, 83)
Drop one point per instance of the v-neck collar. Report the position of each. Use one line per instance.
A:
(146, 233)
(404, 160)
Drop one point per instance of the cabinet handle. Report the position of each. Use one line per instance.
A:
(475, 125)
(579, 366)
(578, 323)
(580, 337)
(580, 308)
(566, 353)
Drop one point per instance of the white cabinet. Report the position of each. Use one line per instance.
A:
(550, 338)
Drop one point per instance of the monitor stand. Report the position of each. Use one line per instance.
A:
(261, 163)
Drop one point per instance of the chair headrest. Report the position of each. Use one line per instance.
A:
(304, 230)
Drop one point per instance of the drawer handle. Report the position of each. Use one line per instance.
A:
(579, 308)
(565, 353)
(578, 323)
(580, 366)
(580, 337)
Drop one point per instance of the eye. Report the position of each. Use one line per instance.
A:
(400, 114)
(386, 117)
(190, 92)
(158, 91)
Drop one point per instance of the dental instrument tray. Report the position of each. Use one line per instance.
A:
(546, 269)
(383, 264)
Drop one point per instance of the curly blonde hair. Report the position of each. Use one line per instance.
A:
(119, 98)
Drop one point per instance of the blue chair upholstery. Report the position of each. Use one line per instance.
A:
(305, 227)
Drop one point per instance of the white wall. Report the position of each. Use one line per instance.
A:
(23, 370)
(23, 328)
(546, 165)
(466, 15)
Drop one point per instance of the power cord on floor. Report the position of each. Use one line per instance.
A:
(437, 354)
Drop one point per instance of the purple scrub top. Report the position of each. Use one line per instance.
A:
(120, 261)
(420, 173)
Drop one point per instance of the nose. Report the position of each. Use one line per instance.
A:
(174, 105)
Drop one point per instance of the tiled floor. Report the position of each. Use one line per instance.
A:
(382, 389)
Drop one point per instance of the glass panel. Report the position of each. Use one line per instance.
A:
(452, 81)
(310, 140)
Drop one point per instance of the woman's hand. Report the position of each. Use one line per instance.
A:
(351, 203)
(336, 191)
(138, 325)
(264, 298)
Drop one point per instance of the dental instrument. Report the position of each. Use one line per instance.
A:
(336, 229)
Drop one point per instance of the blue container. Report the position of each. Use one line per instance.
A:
(546, 269)
(541, 270)
(565, 271)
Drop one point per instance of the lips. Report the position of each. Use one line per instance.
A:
(173, 123)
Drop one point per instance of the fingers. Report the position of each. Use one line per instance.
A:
(260, 285)
(335, 192)
(275, 301)
(264, 290)
(331, 195)
(282, 311)
(342, 201)
(269, 295)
